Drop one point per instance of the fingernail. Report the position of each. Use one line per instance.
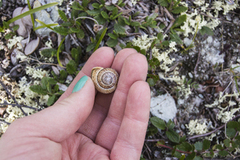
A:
(80, 84)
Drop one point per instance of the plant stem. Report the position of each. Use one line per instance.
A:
(84, 17)
(100, 39)
(58, 59)
(32, 18)
(12, 97)
(162, 145)
(215, 130)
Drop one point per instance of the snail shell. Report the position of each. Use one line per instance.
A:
(104, 79)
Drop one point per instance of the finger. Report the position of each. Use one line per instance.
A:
(121, 57)
(62, 119)
(134, 69)
(102, 102)
(102, 57)
(130, 139)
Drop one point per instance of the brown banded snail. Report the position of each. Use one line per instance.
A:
(104, 79)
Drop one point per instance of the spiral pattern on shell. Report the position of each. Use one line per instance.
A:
(104, 79)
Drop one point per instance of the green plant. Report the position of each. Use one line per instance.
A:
(49, 87)
(31, 11)
(184, 149)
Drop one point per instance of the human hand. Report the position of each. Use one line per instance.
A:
(88, 125)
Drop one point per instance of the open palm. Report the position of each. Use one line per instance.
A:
(85, 124)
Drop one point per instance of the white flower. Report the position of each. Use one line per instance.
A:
(195, 127)
(198, 18)
(199, 2)
(49, 43)
(172, 45)
(1, 46)
(15, 40)
(228, 8)
(36, 73)
(134, 2)
(5, 63)
(218, 5)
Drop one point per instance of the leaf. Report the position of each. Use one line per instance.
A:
(15, 27)
(9, 35)
(55, 89)
(112, 17)
(119, 29)
(49, 52)
(110, 7)
(114, 11)
(206, 144)
(179, 21)
(85, 3)
(31, 12)
(44, 82)
(152, 17)
(100, 19)
(121, 21)
(206, 30)
(227, 142)
(38, 89)
(51, 100)
(151, 131)
(182, 139)
(77, 6)
(135, 24)
(90, 47)
(105, 15)
(173, 136)
(175, 37)
(177, 154)
(198, 146)
(237, 140)
(126, 21)
(51, 81)
(217, 146)
(157, 122)
(112, 42)
(80, 34)
(71, 67)
(113, 36)
(185, 146)
(96, 5)
(44, 24)
(74, 30)
(223, 153)
(163, 3)
(234, 124)
(230, 132)
(179, 9)
(198, 158)
(62, 15)
(61, 30)
(102, 1)
(63, 75)
(191, 156)
(76, 54)
(104, 31)
(58, 52)
(151, 82)
(94, 12)
(170, 124)
(160, 36)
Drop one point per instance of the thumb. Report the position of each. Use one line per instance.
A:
(65, 117)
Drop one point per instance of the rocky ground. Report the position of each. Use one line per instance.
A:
(194, 82)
